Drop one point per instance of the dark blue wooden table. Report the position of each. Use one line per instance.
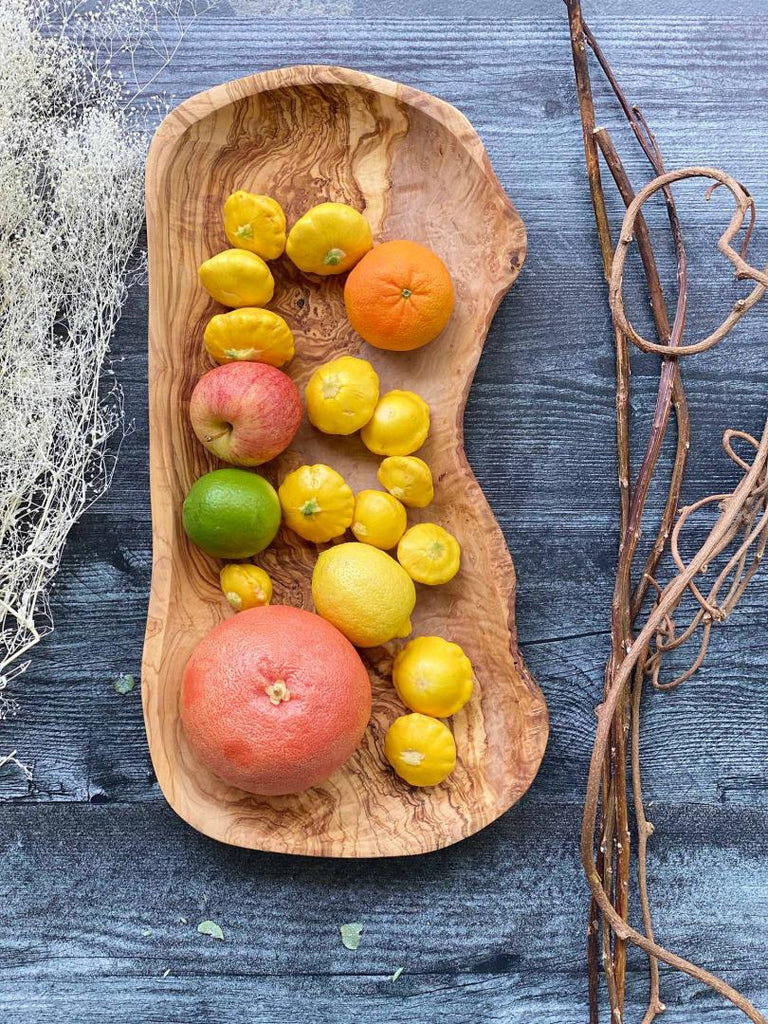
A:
(101, 886)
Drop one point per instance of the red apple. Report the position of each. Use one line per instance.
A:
(245, 413)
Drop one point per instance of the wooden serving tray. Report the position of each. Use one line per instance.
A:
(417, 168)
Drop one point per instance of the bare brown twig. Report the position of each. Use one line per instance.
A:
(632, 659)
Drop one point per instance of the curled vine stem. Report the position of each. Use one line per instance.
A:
(750, 492)
(744, 207)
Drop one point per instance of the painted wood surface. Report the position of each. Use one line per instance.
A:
(310, 134)
(492, 928)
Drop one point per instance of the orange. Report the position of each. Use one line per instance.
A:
(274, 700)
(399, 296)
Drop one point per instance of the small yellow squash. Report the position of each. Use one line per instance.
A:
(255, 223)
(329, 239)
(433, 676)
(399, 425)
(245, 586)
(421, 749)
(341, 395)
(317, 503)
(379, 520)
(237, 278)
(408, 478)
(250, 333)
(429, 554)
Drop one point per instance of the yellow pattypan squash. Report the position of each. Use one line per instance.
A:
(329, 239)
(341, 395)
(249, 333)
(421, 749)
(399, 425)
(245, 586)
(379, 520)
(429, 554)
(317, 503)
(408, 478)
(255, 223)
(237, 278)
(433, 676)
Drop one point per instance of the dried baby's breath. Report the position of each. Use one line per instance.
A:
(73, 138)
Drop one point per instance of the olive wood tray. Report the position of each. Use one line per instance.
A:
(418, 170)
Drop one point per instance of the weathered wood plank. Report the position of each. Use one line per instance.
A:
(491, 927)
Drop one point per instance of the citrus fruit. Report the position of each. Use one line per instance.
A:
(328, 239)
(379, 519)
(317, 502)
(399, 296)
(274, 700)
(364, 592)
(429, 554)
(399, 425)
(341, 395)
(236, 277)
(249, 333)
(231, 513)
(255, 223)
(421, 749)
(433, 676)
(408, 478)
(245, 586)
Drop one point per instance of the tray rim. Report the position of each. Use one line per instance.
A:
(174, 125)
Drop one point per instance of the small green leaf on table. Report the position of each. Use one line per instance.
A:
(350, 934)
(124, 683)
(210, 928)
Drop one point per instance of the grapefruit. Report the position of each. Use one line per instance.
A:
(274, 700)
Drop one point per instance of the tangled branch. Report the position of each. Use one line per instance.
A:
(742, 523)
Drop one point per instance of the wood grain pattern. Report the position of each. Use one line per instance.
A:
(306, 135)
(492, 929)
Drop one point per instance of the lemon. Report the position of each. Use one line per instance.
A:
(231, 513)
(379, 519)
(429, 554)
(245, 586)
(399, 425)
(408, 478)
(422, 750)
(341, 395)
(364, 593)
(433, 676)
(317, 502)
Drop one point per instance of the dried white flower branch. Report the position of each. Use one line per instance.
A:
(72, 148)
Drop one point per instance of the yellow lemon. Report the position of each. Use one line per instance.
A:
(409, 478)
(379, 519)
(364, 593)
(249, 333)
(341, 395)
(421, 749)
(255, 223)
(236, 278)
(399, 425)
(429, 554)
(433, 676)
(329, 239)
(245, 586)
(317, 502)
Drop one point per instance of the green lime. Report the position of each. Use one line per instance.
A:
(231, 513)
